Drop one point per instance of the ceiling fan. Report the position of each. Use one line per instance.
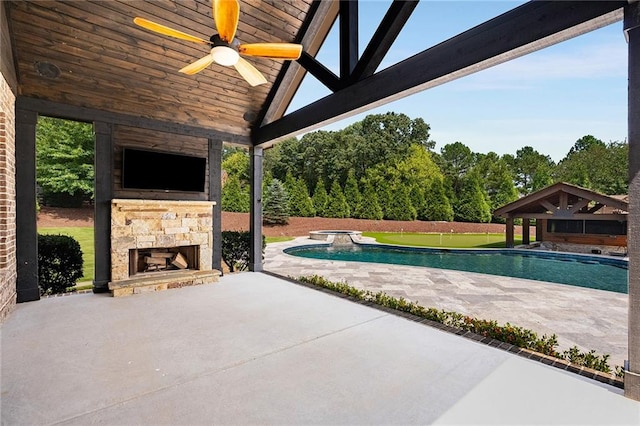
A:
(225, 50)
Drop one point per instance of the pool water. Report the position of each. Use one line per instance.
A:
(562, 268)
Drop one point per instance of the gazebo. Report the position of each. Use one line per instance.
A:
(566, 213)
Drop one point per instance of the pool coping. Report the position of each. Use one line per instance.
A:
(617, 262)
(602, 377)
(544, 254)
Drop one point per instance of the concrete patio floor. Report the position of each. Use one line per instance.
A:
(257, 349)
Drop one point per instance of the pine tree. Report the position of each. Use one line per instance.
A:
(472, 204)
(300, 203)
(352, 192)
(337, 204)
(400, 207)
(436, 204)
(320, 198)
(235, 198)
(274, 209)
(416, 195)
(369, 208)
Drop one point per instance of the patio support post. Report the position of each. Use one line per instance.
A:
(255, 226)
(26, 218)
(632, 33)
(539, 224)
(525, 230)
(509, 231)
(103, 172)
(215, 194)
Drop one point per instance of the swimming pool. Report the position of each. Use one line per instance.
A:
(596, 272)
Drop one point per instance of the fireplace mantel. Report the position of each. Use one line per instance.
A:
(143, 224)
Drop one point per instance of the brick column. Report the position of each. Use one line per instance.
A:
(7, 200)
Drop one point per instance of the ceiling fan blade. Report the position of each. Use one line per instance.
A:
(226, 14)
(198, 65)
(145, 23)
(272, 50)
(249, 72)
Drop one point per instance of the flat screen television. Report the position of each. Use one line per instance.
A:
(162, 171)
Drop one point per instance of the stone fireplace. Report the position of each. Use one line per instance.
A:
(160, 244)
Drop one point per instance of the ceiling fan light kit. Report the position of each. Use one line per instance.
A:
(226, 51)
(225, 55)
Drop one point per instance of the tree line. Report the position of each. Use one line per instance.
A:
(382, 167)
(385, 167)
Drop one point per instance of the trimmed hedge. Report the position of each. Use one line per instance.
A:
(59, 263)
(235, 249)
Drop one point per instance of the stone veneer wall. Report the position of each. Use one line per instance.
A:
(7, 201)
(157, 224)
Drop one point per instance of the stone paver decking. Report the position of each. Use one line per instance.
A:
(590, 319)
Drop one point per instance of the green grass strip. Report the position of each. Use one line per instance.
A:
(447, 240)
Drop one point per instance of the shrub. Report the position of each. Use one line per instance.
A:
(235, 249)
(59, 263)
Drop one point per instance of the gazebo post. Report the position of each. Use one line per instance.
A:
(525, 230)
(510, 232)
(632, 367)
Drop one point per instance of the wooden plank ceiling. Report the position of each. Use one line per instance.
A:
(90, 54)
(107, 63)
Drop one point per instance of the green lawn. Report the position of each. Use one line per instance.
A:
(441, 240)
(84, 236)
(278, 239)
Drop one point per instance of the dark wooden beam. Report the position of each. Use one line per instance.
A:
(26, 238)
(348, 38)
(70, 112)
(215, 195)
(382, 40)
(255, 210)
(103, 194)
(319, 71)
(532, 26)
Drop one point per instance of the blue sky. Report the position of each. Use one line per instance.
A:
(547, 99)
